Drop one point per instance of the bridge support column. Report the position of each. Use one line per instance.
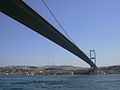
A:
(93, 70)
(93, 58)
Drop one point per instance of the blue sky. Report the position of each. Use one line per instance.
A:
(92, 24)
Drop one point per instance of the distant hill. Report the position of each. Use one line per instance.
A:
(110, 69)
(63, 67)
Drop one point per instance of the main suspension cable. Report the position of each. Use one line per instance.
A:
(57, 21)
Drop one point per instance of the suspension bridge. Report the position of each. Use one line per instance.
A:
(20, 11)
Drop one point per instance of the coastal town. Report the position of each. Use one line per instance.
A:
(56, 70)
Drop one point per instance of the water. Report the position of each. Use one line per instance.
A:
(63, 82)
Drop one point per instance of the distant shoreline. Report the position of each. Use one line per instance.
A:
(56, 70)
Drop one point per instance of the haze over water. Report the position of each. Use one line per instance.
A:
(63, 82)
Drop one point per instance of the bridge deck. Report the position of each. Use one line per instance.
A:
(21, 12)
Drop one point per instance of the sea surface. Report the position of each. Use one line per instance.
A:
(62, 82)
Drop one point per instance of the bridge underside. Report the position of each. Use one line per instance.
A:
(21, 12)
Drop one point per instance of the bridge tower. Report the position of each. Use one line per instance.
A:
(93, 58)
